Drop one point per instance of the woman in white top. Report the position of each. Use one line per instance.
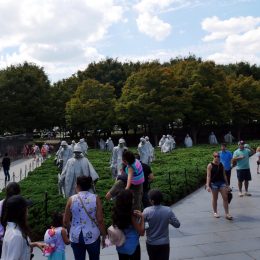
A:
(16, 243)
(12, 188)
(84, 216)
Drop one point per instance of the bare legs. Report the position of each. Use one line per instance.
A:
(223, 192)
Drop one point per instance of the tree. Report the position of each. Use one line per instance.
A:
(207, 91)
(245, 99)
(91, 107)
(151, 98)
(60, 93)
(109, 71)
(24, 95)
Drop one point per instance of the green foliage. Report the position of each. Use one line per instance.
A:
(91, 107)
(109, 71)
(24, 95)
(60, 93)
(151, 96)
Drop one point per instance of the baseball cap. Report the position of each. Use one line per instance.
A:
(241, 142)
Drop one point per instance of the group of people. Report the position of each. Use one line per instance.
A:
(219, 174)
(36, 151)
(84, 219)
(83, 212)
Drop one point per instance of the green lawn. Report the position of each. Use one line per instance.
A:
(176, 175)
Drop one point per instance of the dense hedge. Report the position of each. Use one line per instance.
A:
(169, 170)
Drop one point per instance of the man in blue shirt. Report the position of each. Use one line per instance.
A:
(225, 159)
(241, 156)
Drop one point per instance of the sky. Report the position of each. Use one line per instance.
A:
(64, 36)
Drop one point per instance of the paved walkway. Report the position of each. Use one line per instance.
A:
(19, 170)
(202, 237)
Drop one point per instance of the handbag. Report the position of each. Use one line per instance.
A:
(230, 196)
(116, 236)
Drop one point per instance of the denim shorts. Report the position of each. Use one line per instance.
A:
(217, 185)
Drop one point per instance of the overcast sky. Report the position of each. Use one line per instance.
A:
(64, 36)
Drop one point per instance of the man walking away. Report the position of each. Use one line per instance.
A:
(6, 166)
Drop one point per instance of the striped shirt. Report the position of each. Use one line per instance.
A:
(138, 177)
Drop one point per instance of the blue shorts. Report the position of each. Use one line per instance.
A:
(217, 185)
(244, 175)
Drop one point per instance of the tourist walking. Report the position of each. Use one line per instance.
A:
(12, 188)
(131, 222)
(157, 219)
(56, 239)
(217, 183)
(135, 178)
(84, 217)
(225, 159)
(241, 157)
(6, 162)
(16, 243)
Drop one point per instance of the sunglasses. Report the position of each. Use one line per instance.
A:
(216, 156)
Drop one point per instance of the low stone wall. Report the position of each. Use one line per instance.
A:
(13, 145)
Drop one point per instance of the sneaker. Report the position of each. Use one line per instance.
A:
(216, 215)
(229, 217)
(240, 194)
(247, 194)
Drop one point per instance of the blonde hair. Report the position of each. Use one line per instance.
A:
(258, 149)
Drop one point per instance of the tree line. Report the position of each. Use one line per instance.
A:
(156, 97)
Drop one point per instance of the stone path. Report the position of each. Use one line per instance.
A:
(202, 237)
(19, 170)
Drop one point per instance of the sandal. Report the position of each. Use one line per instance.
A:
(216, 215)
(229, 217)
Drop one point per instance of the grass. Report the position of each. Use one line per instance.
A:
(176, 174)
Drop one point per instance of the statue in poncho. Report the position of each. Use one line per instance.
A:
(213, 139)
(188, 141)
(84, 146)
(77, 166)
(102, 144)
(151, 149)
(109, 144)
(73, 143)
(64, 154)
(116, 162)
(162, 141)
(167, 146)
(144, 152)
(229, 138)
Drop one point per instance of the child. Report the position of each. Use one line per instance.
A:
(56, 238)
(258, 158)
